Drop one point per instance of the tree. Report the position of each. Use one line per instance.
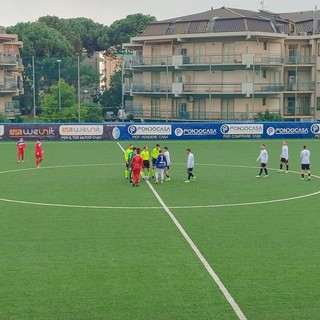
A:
(41, 41)
(122, 30)
(50, 104)
(91, 112)
(62, 26)
(93, 35)
(45, 43)
(112, 98)
(3, 118)
(51, 39)
(267, 116)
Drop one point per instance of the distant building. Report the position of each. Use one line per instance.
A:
(10, 73)
(105, 66)
(110, 65)
(226, 64)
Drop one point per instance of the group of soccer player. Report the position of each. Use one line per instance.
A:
(284, 161)
(21, 145)
(142, 163)
(148, 165)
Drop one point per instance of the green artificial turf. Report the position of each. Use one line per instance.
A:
(77, 241)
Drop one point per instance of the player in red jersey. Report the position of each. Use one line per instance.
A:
(21, 145)
(137, 165)
(39, 153)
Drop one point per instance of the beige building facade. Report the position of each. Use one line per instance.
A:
(10, 73)
(226, 64)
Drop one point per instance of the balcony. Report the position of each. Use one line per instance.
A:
(289, 111)
(269, 88)
(237, 61)
(153, 88)
(10, 62)
(300, 86)
(164, 113)
(10, 87)
(293, 60)
(220, 88)
(8, 59)
(12, 109)
(217, 61)
(204, 88)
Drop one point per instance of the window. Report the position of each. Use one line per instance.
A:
(155, 108)
(291, 106)
(304, 106)
(199, 109)
(264, 101)
(227, 109)
(264, 73)
(318, 103)
(293, 53)
(155, 81)
(179, 109)
(182, 51)
(265, 46)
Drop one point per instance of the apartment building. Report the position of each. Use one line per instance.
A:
(110, 64)
(10, 70)
(225, 64)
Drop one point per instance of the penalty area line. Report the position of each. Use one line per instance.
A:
(203, 260)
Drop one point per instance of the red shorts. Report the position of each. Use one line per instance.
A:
(136, 175)
(39, 155)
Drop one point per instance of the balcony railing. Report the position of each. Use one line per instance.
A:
(290, 110)
(244, 59)
(300, 86)
(300, 60)
(219, 88)
(10, 86)
(166, 114)
(151, 88)
(8, 59)
(12, 109)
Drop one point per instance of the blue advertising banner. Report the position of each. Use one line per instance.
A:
(161, 131)
(218, 130)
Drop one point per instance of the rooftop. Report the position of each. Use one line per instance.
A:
(231, 19)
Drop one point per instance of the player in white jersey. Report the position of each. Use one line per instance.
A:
(190, 165)
(263, 157)
(305, 162)
(166, 170)
(284, 157)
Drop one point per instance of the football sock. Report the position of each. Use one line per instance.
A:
(266, 171)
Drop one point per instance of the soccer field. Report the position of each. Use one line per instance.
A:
(77, 241)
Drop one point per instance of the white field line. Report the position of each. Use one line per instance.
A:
(203, 260)
(247, 203)
(44, 204)
(142, 207)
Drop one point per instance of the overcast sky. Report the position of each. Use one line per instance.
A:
(108, 11)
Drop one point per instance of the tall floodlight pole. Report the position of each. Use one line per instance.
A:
(34, 90)
(167, 89)
(59, 87)
(122, 83)
(79, 114)
(296, 91)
